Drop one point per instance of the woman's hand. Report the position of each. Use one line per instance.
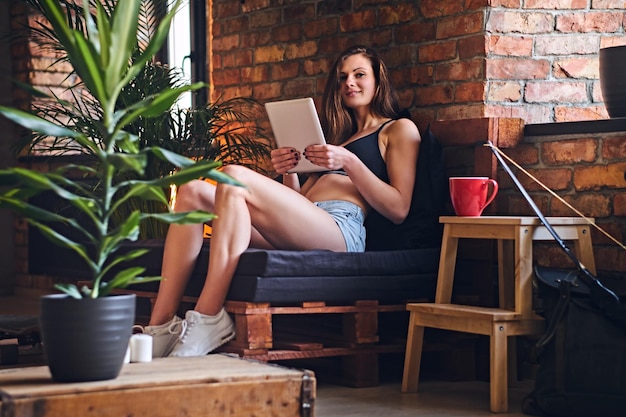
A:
(331, 157)
(284, 159)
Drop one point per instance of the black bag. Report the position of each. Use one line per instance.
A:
(582, 355)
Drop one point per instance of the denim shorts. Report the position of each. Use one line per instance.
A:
(349, 217)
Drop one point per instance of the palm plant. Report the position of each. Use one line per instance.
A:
(222, 131)
(104, 54)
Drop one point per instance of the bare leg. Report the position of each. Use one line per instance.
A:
(182, 246)
(276, 212)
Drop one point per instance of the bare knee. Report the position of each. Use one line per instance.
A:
(240, 173)
(195, 195)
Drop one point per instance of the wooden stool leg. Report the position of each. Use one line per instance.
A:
(498, 369)
(412, 356)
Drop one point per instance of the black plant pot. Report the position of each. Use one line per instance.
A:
(86, 339)
(613, 79)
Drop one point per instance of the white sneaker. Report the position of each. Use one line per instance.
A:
(203, 334)
(164, 336)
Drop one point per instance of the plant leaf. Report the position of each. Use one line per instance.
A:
(188, 217)
(32, 122)
(69, 289)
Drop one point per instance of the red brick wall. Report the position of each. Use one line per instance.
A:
(589, 172)
(450, 59)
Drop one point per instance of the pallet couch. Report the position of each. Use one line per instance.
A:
(293, 305)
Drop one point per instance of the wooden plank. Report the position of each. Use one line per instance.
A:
(504, 132)
(216, 385)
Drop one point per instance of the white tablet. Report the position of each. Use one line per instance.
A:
(295, 123)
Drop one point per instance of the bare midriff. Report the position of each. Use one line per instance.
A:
(335, 187)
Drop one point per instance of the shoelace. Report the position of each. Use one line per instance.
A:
(183, 329)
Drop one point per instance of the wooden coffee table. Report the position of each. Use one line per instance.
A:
(213, 385)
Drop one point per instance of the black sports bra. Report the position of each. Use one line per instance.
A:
(367, 150)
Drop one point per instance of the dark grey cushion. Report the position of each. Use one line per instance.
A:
(285, 277)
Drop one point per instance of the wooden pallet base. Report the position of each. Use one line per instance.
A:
(270, 333)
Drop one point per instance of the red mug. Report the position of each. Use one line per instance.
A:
(470, 194)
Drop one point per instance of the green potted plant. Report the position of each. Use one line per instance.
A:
(106, 58)
(224, 130)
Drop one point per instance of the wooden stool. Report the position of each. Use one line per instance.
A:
(515, 315)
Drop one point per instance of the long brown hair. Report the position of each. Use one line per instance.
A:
(337, 120)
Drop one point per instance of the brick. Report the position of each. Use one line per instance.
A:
(299, 12)
(227, 77)
(520, 22)
(398, 13)
(614, 148)
(252, 5)
(417, 32)
(590, 205)
(353, 22)
(301, 50)
(523, 154)
(510, 45)
(576, 68)
(434, 94)
(333, 7)
(400, 56)
(575, 114)
(321, 27)
(284, 70)
(287, 33)
(267, 91)
(463, 111)
(568, 152)
(555, 92)
(535, 113)
(600, 176)
(226, 43)
(460, 25)
(434, 52)
(237, 24)
(510, 91)
(274, 53)
(472, 47)
(232, 92)
(555, 4)
(554, 179)
(316, 66)
(437, 8)
(460, 71)
(377, 39)
(256, 39)
(238, 58)
(255, 74)
(265, 19)
(517, 69)
(566, 45)
(513, 4)
(420, 75)
(470, 92)
(294, 88)
(589, 22)
(516, 205)
(608, 4)
(619, 204)
(226, 9)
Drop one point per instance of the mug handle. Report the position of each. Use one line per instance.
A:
(494, 184)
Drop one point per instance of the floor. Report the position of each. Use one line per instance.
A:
(436, 398)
